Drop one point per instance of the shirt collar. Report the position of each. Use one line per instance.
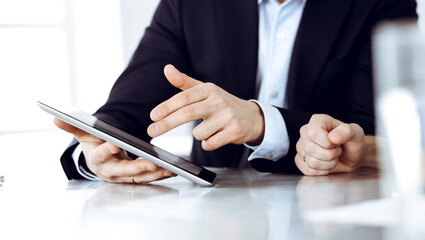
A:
(260, 1)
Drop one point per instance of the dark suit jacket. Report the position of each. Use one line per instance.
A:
(217, 41)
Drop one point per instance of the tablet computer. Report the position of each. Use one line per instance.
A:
(138, 147)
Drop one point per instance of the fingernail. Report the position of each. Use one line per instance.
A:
(336, 134)
(156, 129)
(172, 66)
(168, 67)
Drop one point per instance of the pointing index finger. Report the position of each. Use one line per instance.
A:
(178, 101)
(178, 79)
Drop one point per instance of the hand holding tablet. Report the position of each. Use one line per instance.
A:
(92, 133)
(109, 162)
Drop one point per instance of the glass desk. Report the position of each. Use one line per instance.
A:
(243, 205)
(36, 203)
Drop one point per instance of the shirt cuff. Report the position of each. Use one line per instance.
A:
(275, 142)
(83, 172)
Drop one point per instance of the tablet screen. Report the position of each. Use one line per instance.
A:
(94, 122)
(146, 147)
(134, 145)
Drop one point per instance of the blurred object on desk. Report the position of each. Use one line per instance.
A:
(1, 179)
(399, 61)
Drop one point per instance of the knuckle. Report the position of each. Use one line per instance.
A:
(211, 87)
(303, 129)
(316, 117)
(184, 98)
(208, 145)
(312, 133)
(333, 164)
(329, 155)
(164, 124)
(230, 115)
(313, 163)
(189, 112)
(309, 172)
(221, 103)
(197, 134)
(356, 126)
(164, 108)
(309, 147)
(313, 117)
(237, 131)
(346, 128)
(298, 146)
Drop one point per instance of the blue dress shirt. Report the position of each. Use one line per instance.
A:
(278, 26)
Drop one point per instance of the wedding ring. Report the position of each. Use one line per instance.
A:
(304, 156)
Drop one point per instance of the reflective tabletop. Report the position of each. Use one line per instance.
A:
(244, 204)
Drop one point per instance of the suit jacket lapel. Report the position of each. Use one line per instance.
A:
(318, 30)
(237, 21)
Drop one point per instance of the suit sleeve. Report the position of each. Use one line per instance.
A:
(359, 104)
(143, 85)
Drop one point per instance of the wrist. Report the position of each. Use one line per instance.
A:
(259, 125)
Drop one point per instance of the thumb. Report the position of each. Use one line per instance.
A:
(344, 133)
(178, 79)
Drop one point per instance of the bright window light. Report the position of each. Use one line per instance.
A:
(97, 50)
(33, 66)
(32, 11)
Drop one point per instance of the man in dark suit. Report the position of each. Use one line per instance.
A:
(218, 44)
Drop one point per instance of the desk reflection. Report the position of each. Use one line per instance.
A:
(338, 189)
(187, 211)
(243, 205)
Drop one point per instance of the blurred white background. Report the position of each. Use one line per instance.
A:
(66, 50)
(69, 51)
